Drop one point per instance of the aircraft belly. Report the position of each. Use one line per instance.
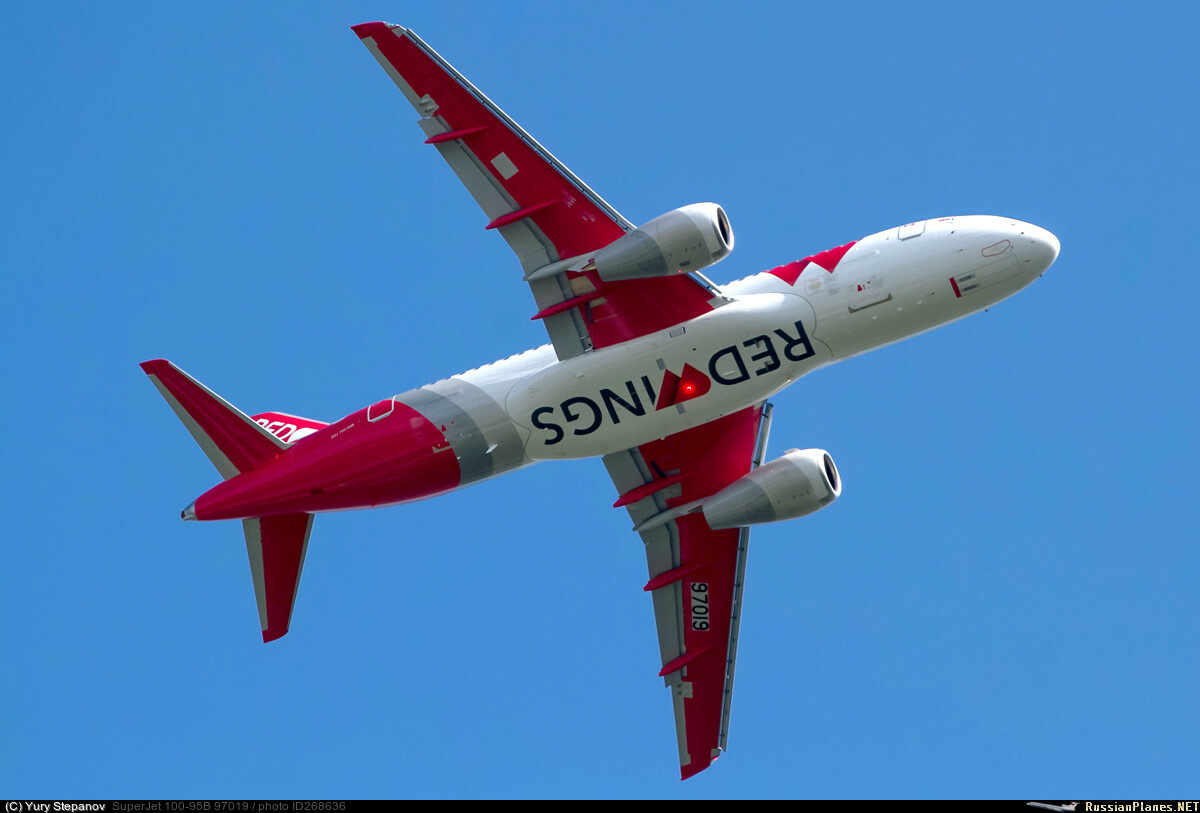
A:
(888, 288)
(649, 388)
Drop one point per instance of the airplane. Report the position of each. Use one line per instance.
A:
(650, 366)
(1069, 806)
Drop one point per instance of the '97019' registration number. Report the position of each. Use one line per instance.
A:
(699, 605)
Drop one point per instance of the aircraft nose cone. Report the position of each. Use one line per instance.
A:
(1040, 248)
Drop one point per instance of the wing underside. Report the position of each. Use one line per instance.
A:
(696, 574)
(547, 215)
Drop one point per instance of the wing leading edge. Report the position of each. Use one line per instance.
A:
(696, 573)
(542, 209)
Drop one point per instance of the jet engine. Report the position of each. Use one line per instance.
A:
(799, 483)
(684, 240)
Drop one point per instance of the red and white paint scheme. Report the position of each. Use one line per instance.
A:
(650, 366)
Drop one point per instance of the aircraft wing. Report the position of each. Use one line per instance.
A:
(696, 574)
(544, 212)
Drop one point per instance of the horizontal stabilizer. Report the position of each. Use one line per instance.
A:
(231, 439)
(276, 547)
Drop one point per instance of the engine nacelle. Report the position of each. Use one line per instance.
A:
(684, 240)
(799, 483)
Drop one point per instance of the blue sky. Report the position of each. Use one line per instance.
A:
(1002, 604)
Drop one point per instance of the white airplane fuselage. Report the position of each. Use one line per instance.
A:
(770, 333)
(767, 331)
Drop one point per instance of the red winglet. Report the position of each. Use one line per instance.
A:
(694, 767)
(365, 30)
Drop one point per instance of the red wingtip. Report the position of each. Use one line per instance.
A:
(695, 767)
(365, 30)
(273, 634)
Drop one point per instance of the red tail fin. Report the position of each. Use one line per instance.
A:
(231, 439)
